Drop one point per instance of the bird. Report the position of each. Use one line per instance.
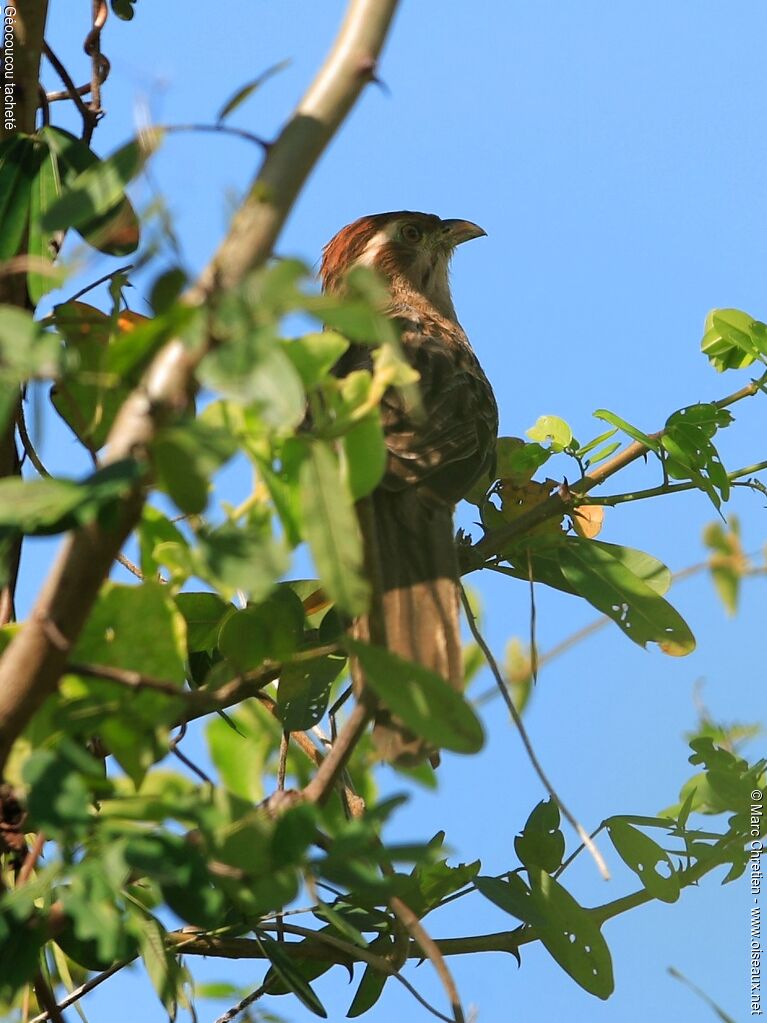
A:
(438, 447)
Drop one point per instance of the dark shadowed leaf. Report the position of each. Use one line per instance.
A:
(541, 843)
(304, 691)
(513, 896)
(290, 976)
(646, 858)
(571, 935)
(99, 188)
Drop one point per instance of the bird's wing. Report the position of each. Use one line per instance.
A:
(448, 443)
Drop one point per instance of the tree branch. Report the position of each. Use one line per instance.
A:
(473, 557)
(32, 663)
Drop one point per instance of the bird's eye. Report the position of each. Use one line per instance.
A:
(411, 233)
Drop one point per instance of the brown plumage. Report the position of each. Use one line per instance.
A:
(436, 451)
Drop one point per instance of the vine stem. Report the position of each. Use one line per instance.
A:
(503, 689)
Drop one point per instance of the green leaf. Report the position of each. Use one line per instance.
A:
(44, 506)
(632, 431)
(268, 631)
(424, 701)
(584, 449)
(44, 191)
(513, 896)
(290, 976)
(687, 439)
(185, 458)
(571, 935)
(650, 863)
(167, 288)
(365, 455)
(551, 430)
(154, 529)
(247, 90)
(597, 575)
(59, 798)
(136, 628)
(331, 527)
(20, 159)
(20, 947)
(26, 349)
(372, 984)
(246, 558)
(114, 232)
(240, 756)
(88, 397)
(432, 882)
(727, 561)
(98, 189)
(161, 964)
(123, 9)
(203, 614)
(314, 355)
(541, 843)
(251, 367)
(732, 339)
(304, 690)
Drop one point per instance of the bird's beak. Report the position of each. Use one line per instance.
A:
(460, 231)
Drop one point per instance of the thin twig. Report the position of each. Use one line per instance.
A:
(225, 129)
(243, 1004)
(127, 563)
(500, 681)
(46, 998)
(26, 442)
(84, 989)
(320, 787)
(173, 747)
(99, 66)
(71, 89)
(101, 280)
(30, 860)
(430, 948)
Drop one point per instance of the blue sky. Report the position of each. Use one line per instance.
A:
(615, 155)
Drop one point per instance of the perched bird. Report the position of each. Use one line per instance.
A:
(437, 448)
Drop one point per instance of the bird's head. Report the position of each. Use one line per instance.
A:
(411, 250)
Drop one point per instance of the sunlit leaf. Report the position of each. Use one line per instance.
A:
(423, 700)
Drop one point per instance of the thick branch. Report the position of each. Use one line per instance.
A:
(33, 662)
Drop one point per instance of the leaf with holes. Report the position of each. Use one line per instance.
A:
(692, 456)
(551, 430)
(571, 935)
(651, 864)
(304, 690)
(601, 578)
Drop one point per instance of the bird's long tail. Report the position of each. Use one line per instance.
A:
(418, 602)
